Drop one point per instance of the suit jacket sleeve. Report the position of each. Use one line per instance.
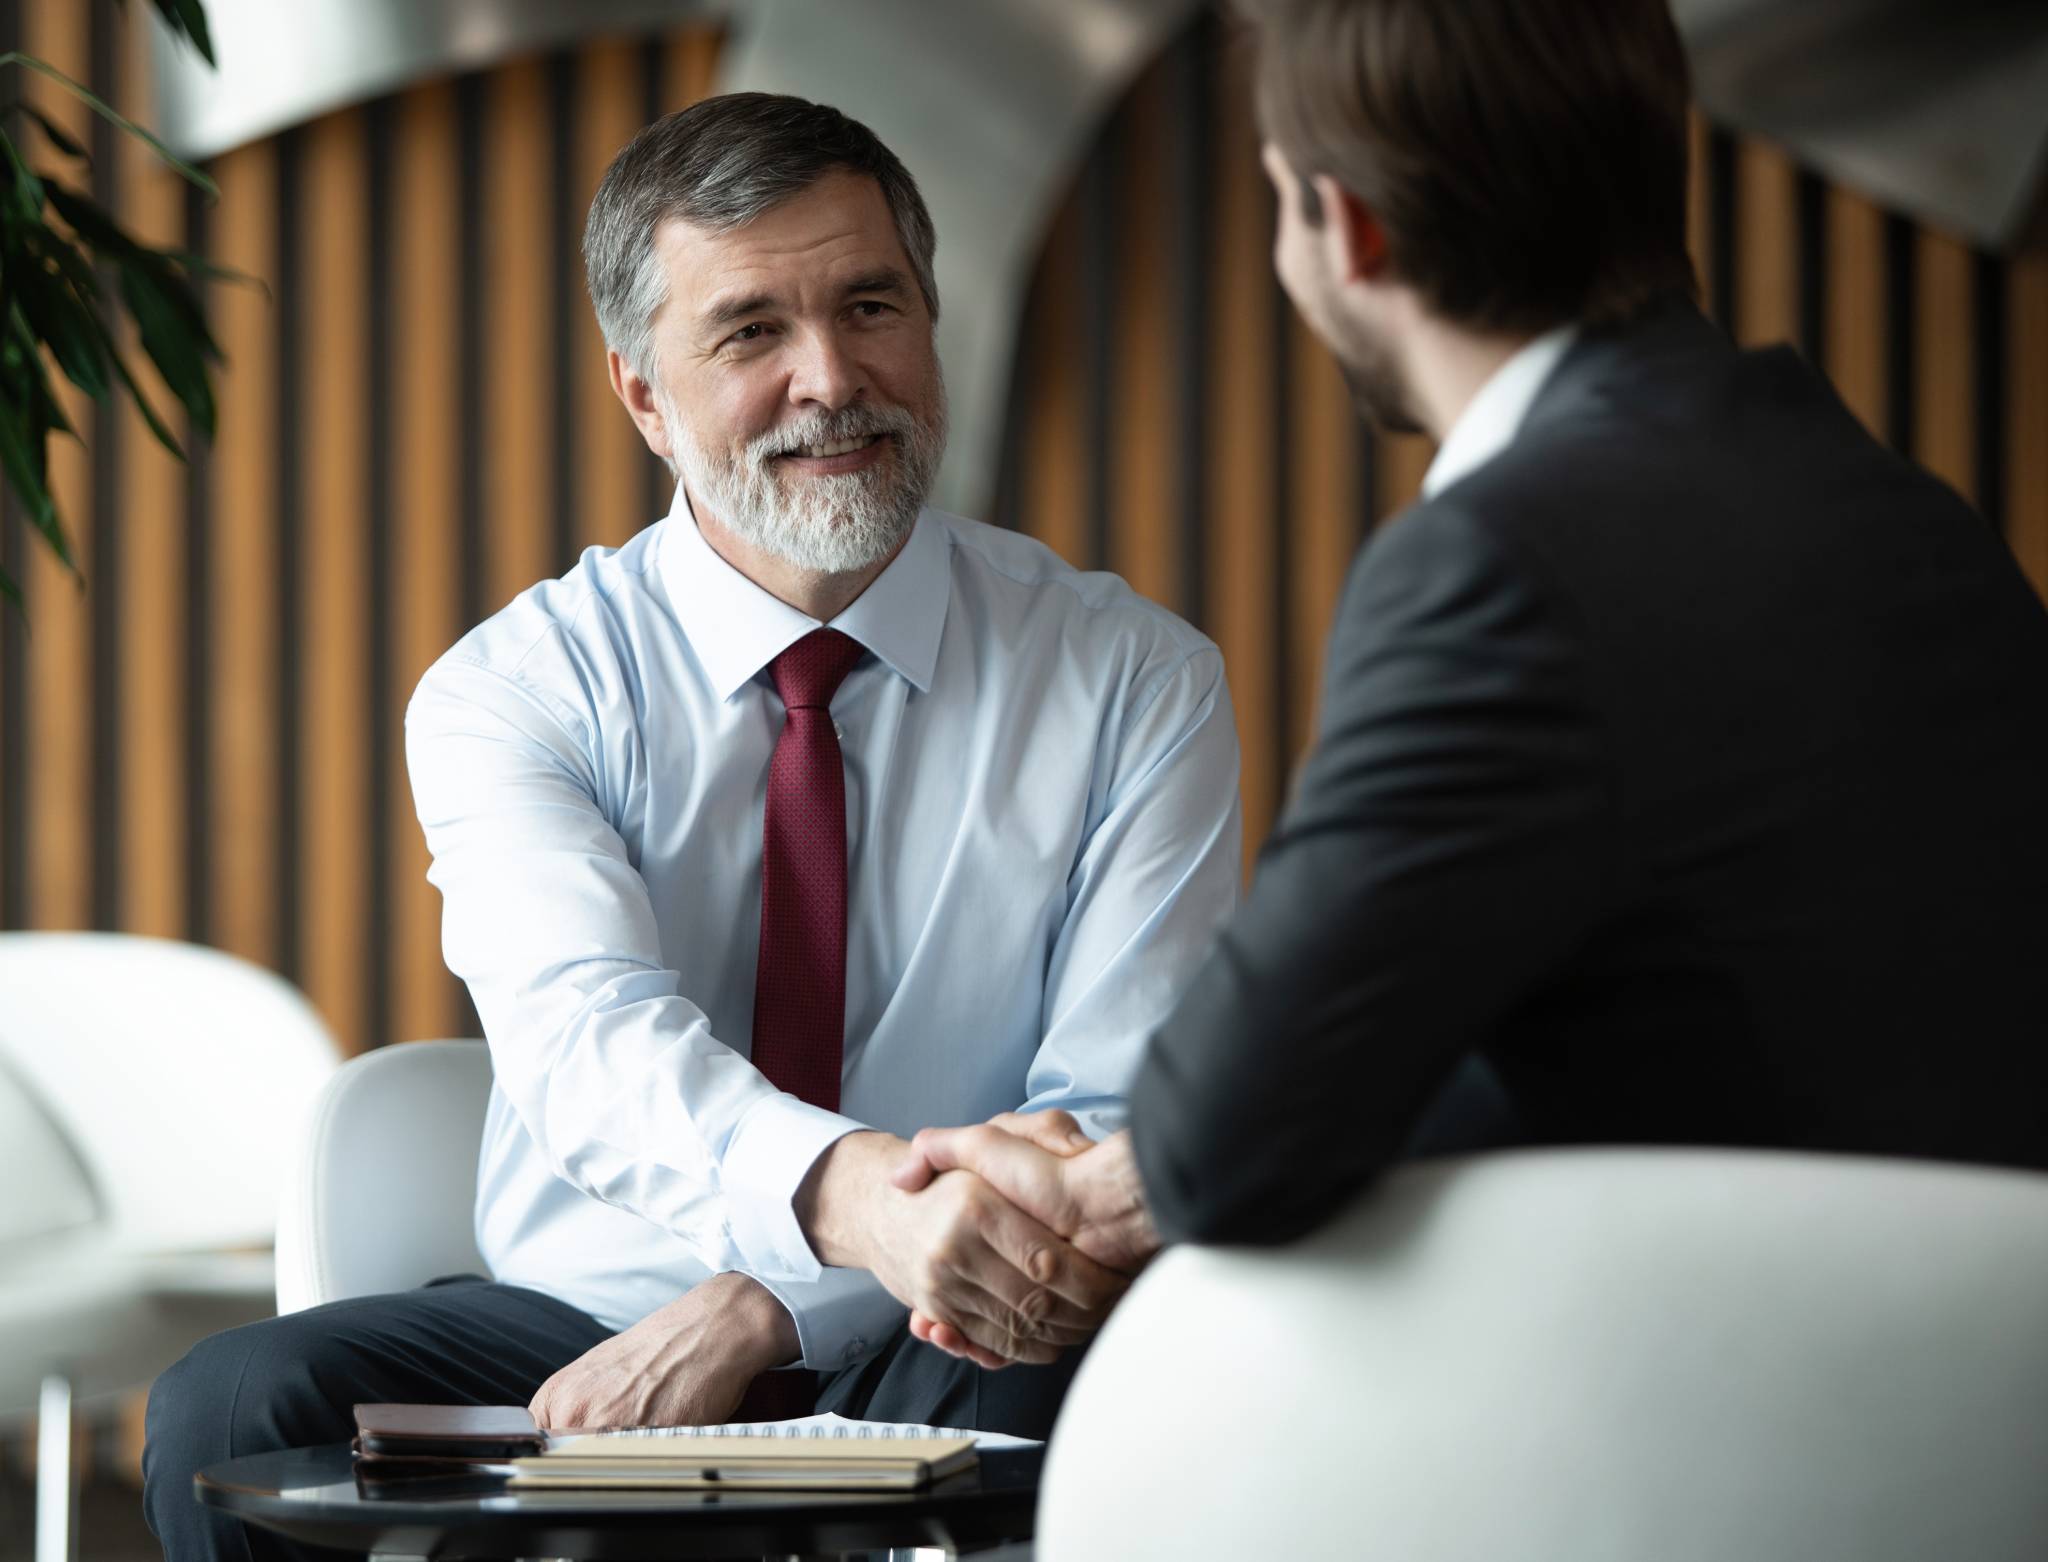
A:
(1450, 839)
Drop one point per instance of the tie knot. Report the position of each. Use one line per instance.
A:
(809, 673)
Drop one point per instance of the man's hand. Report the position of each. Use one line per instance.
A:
(1009, 1289)
(1042, 1162)
(685, 1365)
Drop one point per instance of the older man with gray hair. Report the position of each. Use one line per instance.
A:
(808, 818)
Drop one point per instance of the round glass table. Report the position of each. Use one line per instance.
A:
(312, 1495)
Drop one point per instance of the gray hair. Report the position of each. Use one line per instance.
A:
(718, 164)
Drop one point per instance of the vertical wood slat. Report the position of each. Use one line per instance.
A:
(427, 498)
(521, 415)
(1766, 245)
(1240, 453)
(1400, 463)
(288, 486)
(197, 236)
(14, 758)
(688, 72)
(2026, 442)
(1944, 404)
(105, 521)
(381, 539)
(152, 585)
(1054, 448)
(336, 708)
(1322, 453)
(1280, 695)
(610, 452)
(1698, 218)
(1193, 62)
(59, 644)
(690, 66)
(242, 667)
(1855, 304)
(1144, 394)
(1101, 237)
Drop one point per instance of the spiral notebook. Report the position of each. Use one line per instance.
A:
(826, 1425)
(827, 1452)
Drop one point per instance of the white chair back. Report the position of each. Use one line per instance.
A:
(45, 1190)
(1585, 1356)
(139, 1049)
(384, 1195)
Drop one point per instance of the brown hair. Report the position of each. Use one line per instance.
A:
(1526, 158)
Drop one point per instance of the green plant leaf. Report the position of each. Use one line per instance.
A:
(89, 221)
(157, 426)
(174, 338)
(39, 398)
(24, 473)
(24, 190)
(67, 322)
(11, 592)
(168, 315)
(58, 137)
(107, 111)
(187, 19)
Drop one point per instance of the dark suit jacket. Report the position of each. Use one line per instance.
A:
(1689, 760)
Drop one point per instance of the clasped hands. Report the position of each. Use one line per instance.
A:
(1046, 1204)
(1009, 1240)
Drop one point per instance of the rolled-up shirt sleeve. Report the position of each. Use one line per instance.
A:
(613, 1071)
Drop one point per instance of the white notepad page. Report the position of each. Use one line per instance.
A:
(828, 1425)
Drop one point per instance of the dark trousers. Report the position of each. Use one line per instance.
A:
(293, 1382)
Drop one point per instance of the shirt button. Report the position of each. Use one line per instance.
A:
(839, 732)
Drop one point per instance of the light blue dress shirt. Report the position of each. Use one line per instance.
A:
(1042, 839)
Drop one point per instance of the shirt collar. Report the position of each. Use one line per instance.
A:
(737, 629)
(1492, 418)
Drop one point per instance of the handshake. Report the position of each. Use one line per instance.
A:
(1009, 1241)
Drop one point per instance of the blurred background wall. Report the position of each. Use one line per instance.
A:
(415, 425)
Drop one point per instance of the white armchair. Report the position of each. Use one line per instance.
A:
(383, 1196)
(150, 1096)
(1585, 1356)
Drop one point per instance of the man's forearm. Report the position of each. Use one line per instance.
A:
(837, 1203)
(766, 1325)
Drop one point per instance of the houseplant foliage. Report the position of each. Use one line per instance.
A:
(68, 272)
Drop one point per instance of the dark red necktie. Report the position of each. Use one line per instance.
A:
(800, 982)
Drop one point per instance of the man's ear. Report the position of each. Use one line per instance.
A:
(641, 404)
(1356, 242)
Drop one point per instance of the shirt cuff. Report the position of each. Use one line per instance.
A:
(772, 1150)
(842, 1317)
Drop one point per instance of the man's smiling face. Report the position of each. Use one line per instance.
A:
(798, 378)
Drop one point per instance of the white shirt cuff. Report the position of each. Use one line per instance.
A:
(842, 1317)
(772, 1149)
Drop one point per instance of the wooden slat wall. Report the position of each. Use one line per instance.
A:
(426, 504)
(61, 669)
(206, 742)
(415, 425)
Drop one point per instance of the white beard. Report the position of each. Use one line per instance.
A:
(830, 525)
